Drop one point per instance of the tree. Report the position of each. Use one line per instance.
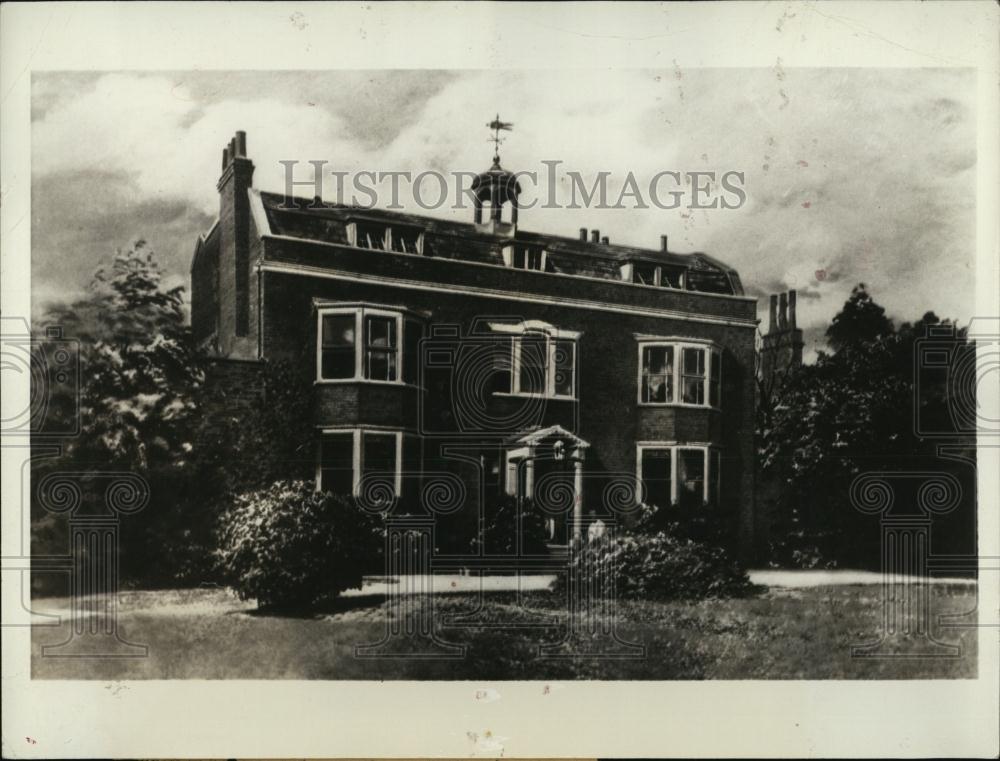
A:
(139, 382)
(851, 412)
(860, 321)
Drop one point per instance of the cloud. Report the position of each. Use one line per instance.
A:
(851, 174)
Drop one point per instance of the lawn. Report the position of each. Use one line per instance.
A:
(776, 634)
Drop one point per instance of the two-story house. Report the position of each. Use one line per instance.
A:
(520, 363)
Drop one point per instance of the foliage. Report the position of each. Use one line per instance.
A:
(137, 403)
(860, 321)
(658, 566)
(500, 528)
(139, 373)
(288, 545)
(851, 412)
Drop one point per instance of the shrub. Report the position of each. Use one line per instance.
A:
(500, 528)
(660, 566)
(288, 545)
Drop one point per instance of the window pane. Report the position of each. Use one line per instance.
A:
(644, 274)
(656, 476)
(412, 333)
(371, 236)
(519, 254)
(501, 353)
(690, 477)
(658, 374)
(380, 356)
(378, 458)
(532, 369)
(412, 468)
(564, 367)
(693, 379)
(715, 377)
(338, 346)
(336, 463)
(714, 475)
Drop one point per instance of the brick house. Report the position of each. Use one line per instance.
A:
(494, 362)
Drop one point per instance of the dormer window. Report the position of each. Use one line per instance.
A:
(647, 273)
(368, 235)
(406, 240)
(380, 236)
(525, 258)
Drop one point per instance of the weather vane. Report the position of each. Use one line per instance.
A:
(496, 125)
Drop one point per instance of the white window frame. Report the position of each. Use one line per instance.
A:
(357, 464)
(508, 258)
(673, 447)
(678, 345)
(537, 329)
(627, 273)
(387, 236)
(360, 313)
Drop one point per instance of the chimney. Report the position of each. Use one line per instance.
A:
(782, 311)
(663, 243)
(583, 234)
(234, 325)
(595, 236)
(605, 240)
(791, 310)
(772, 324)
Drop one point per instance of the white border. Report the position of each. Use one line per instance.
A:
(287, 718)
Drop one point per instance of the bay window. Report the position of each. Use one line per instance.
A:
(380, 347)
(348, 457)
(368, 343)
(679, 372)
(686, 475)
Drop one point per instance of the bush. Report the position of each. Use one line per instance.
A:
(288, 545)
(660, 566)
(500, 528)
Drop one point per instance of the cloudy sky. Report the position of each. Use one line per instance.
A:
(851, 174)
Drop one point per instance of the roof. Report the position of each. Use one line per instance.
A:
(316, 220)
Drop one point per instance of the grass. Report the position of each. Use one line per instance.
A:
(778, 634)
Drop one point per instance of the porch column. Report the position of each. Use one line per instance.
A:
(577, 497)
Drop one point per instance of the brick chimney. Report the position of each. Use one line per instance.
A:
(782, 346)
(234, 249)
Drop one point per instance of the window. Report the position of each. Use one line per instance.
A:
(368, 235)
(715, 379)
(564, 366)
(337, 342)
(405, 241)
(645, 274)
(382, 237)
(657, 374)
(378, 458)
(525, 258)
(366, 343)
(544, 366)
(691, 477)
(715, 475)
(413, 332)
(380, 348)
(697, 381)
(656, 476)
(693, 376)
(531, 365)
(337, 463)
(679, 474)
(541, 360)
(349, 457)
